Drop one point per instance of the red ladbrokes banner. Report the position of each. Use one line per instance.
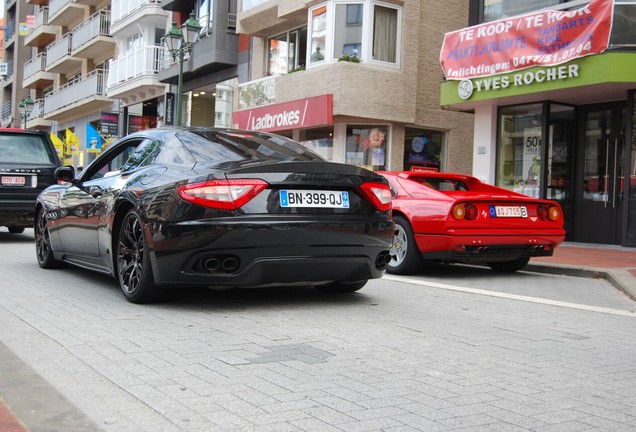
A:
(535, 39)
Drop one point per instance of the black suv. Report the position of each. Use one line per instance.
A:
(27, 162)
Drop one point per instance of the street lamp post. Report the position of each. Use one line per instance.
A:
(178, 44)
(26, 108)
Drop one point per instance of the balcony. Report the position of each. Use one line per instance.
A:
(92, 38)
(43, 33)
(78, 97)
(66, 13)
(127, 14)
(36, 118)
(9, 34)
(133, 77)
(269, 17)
(8, 78)
(58, 56)
(6, 114)
(344, 80)
(35, 74)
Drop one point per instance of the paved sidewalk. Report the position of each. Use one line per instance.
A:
(616, 264)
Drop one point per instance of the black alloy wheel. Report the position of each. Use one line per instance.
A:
(342, 287)
(16, 229)
(43, 250)
(134, 270)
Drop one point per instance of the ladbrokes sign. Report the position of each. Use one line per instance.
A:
(303, 113)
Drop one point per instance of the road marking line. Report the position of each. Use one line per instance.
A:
(510, 296)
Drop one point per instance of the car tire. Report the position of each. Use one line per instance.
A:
(132, 261)
(16, 229)
(43, 250)
(342, 287)
(405, 256)
(509, 266)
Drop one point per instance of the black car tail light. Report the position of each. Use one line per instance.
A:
(379, 194)
(222, 194)
(466, 211)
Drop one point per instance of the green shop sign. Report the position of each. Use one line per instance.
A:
(596, 69)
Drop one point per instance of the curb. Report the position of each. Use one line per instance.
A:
(620, 279)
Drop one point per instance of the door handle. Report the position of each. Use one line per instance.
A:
(606, 177)
(615, 172)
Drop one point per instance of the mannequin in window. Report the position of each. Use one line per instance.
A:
(317, 55)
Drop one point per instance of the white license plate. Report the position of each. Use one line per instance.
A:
(314, 198)
(508, 211)
(13, 181)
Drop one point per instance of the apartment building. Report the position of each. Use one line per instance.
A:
(562, 130)
(13, 56)
(357, 81)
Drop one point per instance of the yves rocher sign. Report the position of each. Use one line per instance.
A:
(315, 111)
(542, 38)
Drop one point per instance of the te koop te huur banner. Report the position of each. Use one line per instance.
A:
(536, 39)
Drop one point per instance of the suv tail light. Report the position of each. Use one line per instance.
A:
(379, 194)
(221, 194)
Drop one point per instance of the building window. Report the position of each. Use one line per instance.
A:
(318, 20)
(367, 146)
(368, 30)
(286, 51)
(519, 149)
(347, 37)
(318, 140)
(623, 29)
(423, 149)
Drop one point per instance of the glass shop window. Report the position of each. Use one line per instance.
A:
(367, 146)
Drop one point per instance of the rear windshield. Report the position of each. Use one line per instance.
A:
(242, 146)
(25, 149)
(441, 184)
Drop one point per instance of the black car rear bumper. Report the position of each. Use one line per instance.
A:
(243, 255)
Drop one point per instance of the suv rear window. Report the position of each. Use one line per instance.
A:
(24, 148)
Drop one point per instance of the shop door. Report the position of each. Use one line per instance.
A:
(599, 187)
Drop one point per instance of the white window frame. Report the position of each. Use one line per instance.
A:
(367, 32)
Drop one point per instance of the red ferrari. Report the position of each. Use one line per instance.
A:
(456, 218)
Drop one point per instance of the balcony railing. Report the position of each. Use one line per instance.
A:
(258, 92)
(9, 70)
(143, 61)
(56, 5)
(9, 30)
(41, 18)
(120, 9)
(97, 25)
(58, 49)
(35, 65)
(6, 112)
(38, 110)
(76, 91)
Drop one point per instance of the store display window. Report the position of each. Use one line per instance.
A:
(423, 149)
(367, 146)
(319, 140)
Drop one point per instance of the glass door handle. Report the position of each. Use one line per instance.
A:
(606, 177)
(615, 172)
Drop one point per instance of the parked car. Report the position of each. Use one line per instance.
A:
(456, 218)
(217, 207)
(28, 160)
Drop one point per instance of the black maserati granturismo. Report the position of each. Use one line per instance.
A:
(176, 207)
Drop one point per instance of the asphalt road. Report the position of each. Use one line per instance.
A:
(454, 348)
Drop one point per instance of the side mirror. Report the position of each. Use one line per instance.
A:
(65, 173)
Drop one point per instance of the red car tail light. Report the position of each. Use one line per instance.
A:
(466, 211)
(554, 213)
(221, 194)
(379, 194)
(542, 212)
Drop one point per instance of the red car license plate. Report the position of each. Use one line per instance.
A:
(13, 181)
(509, 211)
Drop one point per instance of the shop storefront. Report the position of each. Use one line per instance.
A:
(353, 141)
(563, 131)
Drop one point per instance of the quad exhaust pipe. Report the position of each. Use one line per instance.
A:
(223, 264)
